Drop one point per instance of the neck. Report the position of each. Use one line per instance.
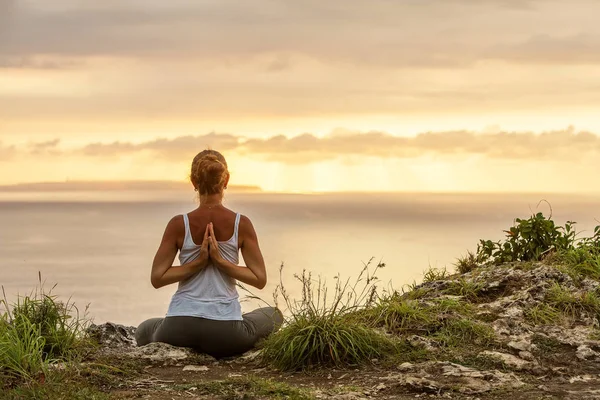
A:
(211, 200)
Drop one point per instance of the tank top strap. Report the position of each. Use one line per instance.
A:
(236, 227)
(188, 233)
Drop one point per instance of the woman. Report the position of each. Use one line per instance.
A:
(205, 312)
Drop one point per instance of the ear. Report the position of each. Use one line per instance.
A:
(227, 181)
(194, 186)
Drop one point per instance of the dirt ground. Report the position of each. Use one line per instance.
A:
(171, 382)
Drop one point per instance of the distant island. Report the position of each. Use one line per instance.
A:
(91, 186)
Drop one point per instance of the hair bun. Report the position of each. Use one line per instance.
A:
(209, 172)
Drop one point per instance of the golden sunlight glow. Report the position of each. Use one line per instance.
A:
(388, 96)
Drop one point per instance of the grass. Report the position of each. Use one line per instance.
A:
(36, 332)
(480, 361)
(248, 388)
(579, 263)
(322, 342)
(402, 315)
(543, 314)
(572, 305)
(464, 332)
(467, 263)
(462, 287)
(55, 389)
(322, 331)
(435, 274)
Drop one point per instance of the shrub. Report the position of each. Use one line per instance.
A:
(324, 332)
(528, 240)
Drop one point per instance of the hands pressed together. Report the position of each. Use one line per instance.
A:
(209, 250)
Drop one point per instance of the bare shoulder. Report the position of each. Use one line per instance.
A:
(246, 228)
(245, 222)
(175, 225)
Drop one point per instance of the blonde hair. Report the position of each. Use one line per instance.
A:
(209, 172)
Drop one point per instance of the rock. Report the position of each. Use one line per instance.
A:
(113, 335)
(423, 342)
(165, 354)
(195, 368)
(510, 361)
(521, 345)
(583, 378)
(405, 366)
(584, 352)
(512, 312)
(438, 376)
(420, 384)
(251, 355)
(525, 355)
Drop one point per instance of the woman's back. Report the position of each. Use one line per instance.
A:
(210, 293)
(222, 218)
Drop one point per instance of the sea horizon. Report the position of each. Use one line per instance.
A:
(100, 252)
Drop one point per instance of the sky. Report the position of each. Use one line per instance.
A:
(304, 96)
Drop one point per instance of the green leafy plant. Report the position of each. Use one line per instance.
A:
(528, 240)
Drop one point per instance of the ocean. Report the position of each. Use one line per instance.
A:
(98, 250)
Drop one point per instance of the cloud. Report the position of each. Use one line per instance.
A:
(377, 32)
(47, 147)
(550, 49)
(30, 62)
(172, 149)
(7, 152)
(559, 144)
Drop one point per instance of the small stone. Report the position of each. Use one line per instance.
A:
(381, 386)
(520, 345)
(584, 352)
(195, 368)
(509, 360)
(525, 355)
(405, 366)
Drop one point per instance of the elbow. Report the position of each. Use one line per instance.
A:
(156, 282)
(261, 283)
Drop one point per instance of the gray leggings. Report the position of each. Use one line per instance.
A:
(217, 338)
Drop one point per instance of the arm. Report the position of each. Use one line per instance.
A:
(254, 273)
(163, 271)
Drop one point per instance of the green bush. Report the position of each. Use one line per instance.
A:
(322, 332)
(528, 240)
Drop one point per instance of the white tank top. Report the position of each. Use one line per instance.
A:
(210, 293)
